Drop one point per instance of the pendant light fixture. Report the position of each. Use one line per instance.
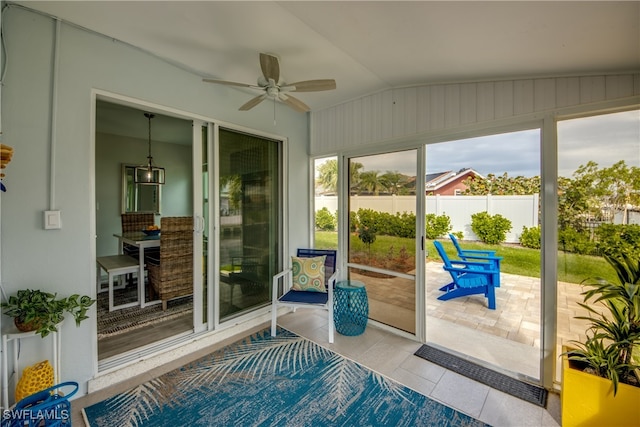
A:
(149, 174)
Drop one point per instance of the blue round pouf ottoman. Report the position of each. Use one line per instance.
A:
(350, 307)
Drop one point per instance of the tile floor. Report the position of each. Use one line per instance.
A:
(391, 355)
(513, 327)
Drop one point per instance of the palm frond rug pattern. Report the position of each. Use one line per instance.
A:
(273, 381)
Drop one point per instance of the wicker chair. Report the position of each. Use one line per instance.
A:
(171, 274)
(132, 222)
(136, 221)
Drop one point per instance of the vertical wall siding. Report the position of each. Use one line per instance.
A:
(397, 113)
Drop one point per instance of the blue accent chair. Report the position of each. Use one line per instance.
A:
(469, 278)
(478, 255)
(305, 299)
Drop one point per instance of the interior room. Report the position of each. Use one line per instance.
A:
(168, 159)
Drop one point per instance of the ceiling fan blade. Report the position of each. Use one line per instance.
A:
(270, 67)
(294, 103)
(224, 82)
(310, 85)
(253, 102)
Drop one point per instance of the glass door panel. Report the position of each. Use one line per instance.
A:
(118, 334)
(249, 200)
(325, 203)
(598, 208)
(382, 234)
(206, 218)
(485, 191)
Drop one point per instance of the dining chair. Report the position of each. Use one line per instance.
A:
(171, 272)
(132, 222)
(136, 221)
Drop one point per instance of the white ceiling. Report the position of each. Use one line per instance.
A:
(368, 46)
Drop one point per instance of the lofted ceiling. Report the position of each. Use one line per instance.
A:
(368, 46)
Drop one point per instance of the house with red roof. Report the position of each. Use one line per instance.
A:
(449, 183)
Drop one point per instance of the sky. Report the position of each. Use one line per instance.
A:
(605, 139)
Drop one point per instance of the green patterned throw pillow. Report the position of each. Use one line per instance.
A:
(308, 274)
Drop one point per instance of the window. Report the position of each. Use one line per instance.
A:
(325, 216)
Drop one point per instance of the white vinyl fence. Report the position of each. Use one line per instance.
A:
(522, 211)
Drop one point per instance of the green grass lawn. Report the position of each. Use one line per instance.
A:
(572, 268)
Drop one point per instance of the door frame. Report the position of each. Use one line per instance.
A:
(213, 322)
(343, 228)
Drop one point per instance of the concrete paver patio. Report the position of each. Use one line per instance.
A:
(515, 323)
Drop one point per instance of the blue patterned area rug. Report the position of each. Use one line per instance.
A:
(273, 381)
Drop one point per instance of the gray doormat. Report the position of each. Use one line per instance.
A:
(525, 391)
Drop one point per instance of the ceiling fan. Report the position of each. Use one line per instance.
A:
(269, 82)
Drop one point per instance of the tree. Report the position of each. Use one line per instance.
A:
(571, 204)
(328, 176)
(325, 220)
(621, 188)
(367, 228)
(354, 176)
(232, 184)
(394, 182)
(502, 185)
(594, 192)
(371, 182)
(587, 191)
(368, 236)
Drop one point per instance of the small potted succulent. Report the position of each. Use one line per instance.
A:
(39, 311)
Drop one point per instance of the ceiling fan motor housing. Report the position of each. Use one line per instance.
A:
(273, 91)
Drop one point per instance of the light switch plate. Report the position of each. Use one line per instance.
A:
(52, 220)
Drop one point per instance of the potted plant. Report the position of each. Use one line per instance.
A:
(601, 376)
(39, 311)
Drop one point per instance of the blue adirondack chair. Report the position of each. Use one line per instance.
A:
(469, 278)
(478, 255)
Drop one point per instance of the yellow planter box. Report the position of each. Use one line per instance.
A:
(587, 400)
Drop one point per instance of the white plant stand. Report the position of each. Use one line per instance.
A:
(13, 336)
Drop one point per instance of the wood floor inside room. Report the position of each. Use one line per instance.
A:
(127, 341)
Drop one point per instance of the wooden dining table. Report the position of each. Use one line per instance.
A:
(142, 242)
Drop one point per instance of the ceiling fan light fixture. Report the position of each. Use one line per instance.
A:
(269, 82)
(149, 174)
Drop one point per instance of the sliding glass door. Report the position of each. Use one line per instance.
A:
(126, 332)
(485, 191)
(249, 201)
(382, 228)
(230, 182)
